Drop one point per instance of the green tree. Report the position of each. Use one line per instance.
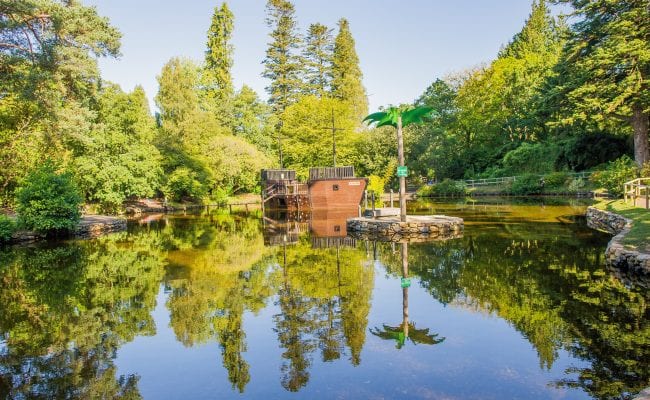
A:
(317, 56)
(608, 60)
(347, 78)
(48, 201)
(308, 136)
(217, 87)
(282, 66)
(121, 161)
(253, 120)
(48, 51)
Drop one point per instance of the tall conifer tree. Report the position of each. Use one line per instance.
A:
(282, 65)
(608, 60)
(319, 46)
(216, 80)
(346, 74)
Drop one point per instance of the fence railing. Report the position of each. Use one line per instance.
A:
(509, 179)
(331, 173)
(638, 189)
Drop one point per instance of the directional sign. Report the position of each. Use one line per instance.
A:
(402, 172)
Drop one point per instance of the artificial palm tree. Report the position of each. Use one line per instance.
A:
(399, 117)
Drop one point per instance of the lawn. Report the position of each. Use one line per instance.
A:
(639, 236)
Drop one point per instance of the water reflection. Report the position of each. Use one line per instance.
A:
(406, 330)
(68, 310)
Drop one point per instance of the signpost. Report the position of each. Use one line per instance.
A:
(402, 171)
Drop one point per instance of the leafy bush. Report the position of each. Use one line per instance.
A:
(527, 184)
(615, 175)
(530, 158)
(7, 228)
(376, 185)
(48, 201)
(645, 170)
(445, 188)
(184, 183)
(556, 179)
(576, 185)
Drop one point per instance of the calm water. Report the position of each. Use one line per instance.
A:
(237, 306)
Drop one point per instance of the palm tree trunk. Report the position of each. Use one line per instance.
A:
(402, 180)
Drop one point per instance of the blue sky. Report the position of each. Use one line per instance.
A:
(402, 45)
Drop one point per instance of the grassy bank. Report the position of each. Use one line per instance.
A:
(639, 236)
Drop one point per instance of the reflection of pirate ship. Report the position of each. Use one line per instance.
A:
(327, 227)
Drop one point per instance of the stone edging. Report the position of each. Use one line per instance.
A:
(617, 255)
(90, 226)
(416, 228)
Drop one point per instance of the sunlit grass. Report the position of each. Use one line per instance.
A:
(639, 236)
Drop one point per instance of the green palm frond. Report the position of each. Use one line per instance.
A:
(390, 116)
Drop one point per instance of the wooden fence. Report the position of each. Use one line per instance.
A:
(509, 179)
(638, 190)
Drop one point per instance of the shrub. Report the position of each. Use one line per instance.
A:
(576, 185)
(527, 184)
(48, 201)
(556, 179)
(7, 228)
(444, 188)
(530, 158)
(376, 185)
(615, 175)
(184, 183)
(645, 170)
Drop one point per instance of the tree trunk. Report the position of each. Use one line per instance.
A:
(402, 180)
(640, 127)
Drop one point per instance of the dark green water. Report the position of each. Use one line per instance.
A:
(234, 306)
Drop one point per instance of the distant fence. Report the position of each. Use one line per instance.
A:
(509, 179)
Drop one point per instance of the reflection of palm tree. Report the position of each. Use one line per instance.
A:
(406, 330)
(416, 336)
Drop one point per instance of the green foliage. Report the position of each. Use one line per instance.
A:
(529, 158)
(587, 151)
(614, 176)
(556, 179)
(121, 161)
(347, 78)
(282, 66)
(7, 228)
(48, 60)
(317, 56)
(48, 201)
(253, 120)
(446, 188)
(604, 78)
(526, 185)
(307, 133)
(183, 183)
(218, 56)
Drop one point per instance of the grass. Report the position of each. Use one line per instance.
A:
(639, 236)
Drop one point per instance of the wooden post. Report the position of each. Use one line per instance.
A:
(365, 199)
(391, 198)
(372, 197)
(402, 180)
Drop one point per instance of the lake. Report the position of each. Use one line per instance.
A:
(218, 305)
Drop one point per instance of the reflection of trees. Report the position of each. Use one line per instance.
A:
(551, 287)
(217, 272)
(324, 299)
(65, 311)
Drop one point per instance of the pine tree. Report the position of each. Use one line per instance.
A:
(608, 57)
(216, 79)
(346, 74)
(282, 65)
(318, 52)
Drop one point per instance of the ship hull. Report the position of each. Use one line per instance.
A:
(336, 193)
